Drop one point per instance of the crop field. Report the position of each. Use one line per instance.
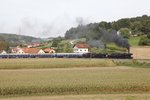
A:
(74, 81)
(34, 63)
(141, 52)
(75, 77)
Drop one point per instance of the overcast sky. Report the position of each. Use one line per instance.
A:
(51, 18)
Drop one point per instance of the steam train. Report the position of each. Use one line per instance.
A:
(70, 55)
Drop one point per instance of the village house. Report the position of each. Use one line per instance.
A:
(34, 45)
(81, 48)
(3, 52)
(30, 51)
(49, 50)
(15, 49)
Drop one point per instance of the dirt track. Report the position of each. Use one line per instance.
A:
(87, 97)
(141, 52)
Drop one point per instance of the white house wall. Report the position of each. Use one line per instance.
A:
(20, 52)
(81, 50)
(3, 52)
(41, 52)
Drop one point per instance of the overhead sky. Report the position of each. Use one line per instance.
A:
(52, 18)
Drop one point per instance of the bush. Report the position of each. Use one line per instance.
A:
(144, 41)
(125, 33)
(96, 50)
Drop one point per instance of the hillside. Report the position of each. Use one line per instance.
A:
(18, 39)
(105, 32)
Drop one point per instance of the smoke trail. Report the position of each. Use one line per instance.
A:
(113, 37)
(96, 36)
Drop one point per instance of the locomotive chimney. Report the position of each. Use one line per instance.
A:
(128, 49)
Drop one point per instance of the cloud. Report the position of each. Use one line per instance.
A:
(49, 18)
(54, 28)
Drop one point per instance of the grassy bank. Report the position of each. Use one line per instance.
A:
(53, 63)
(42, 63)
(134, 41)
(74, 81)
(134, 63)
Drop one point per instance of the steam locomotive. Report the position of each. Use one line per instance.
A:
(70, 55)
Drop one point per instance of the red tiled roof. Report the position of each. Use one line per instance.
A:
(82, 46)
(31, 50)
(47, 50)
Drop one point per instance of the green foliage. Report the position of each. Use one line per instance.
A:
(105, 25)
(3, 45)
(65, 47)
(81, 40)
(146, 26)
(14, 39)
(111, 47)
(1, 38)
(96, 50)
(134, 41)
(125, 33)
(136, 27)
(128, 26)
(56, 41)
(62, 45)
(133, 63)
(45, 46)
(123, 23)
(144, 40)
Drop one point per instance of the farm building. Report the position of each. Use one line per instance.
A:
(3, 52)
(49, 50)
(30, 51)
(15, 50)
(81, 48)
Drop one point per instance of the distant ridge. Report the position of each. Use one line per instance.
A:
(18, 39)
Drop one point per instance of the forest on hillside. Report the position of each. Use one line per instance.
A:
(106, 31)
(8, 40)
